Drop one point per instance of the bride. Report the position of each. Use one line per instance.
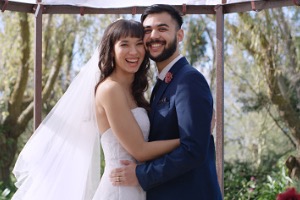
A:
(61, 161)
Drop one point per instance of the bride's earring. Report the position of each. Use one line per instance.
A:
(113, 64)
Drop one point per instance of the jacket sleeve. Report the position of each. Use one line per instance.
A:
(194, 107)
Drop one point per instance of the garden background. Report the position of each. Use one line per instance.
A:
(261, 93)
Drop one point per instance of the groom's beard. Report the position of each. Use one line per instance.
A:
(167, 52)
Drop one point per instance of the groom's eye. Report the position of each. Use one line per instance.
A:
(147, 31)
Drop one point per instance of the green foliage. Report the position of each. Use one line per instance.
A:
(269, 78)
(195, 41)
(254, 103)
(6, 192)
(261, 95)
(236, 179)
(244, 182)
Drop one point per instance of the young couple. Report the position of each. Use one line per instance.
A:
(61, 159)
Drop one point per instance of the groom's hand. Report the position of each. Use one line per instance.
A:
(124, 176)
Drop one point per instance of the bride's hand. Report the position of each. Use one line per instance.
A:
(124, 176)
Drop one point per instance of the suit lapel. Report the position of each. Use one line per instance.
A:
(163, 86)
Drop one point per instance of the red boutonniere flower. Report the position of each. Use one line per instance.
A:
(290, 193)
(168, 77)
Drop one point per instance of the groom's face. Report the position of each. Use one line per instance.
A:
(160, 36)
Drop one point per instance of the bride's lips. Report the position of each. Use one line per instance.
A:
(132, 60)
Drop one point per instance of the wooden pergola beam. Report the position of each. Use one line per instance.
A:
(259, 5)
(190, 9)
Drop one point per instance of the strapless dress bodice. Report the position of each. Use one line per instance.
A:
(113, 150)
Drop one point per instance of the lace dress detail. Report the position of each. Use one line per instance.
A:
(113, 153)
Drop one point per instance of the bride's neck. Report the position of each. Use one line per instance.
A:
(125, 80)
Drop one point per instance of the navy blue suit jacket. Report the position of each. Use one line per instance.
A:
(182, 109)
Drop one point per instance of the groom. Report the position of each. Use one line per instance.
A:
(181, 107)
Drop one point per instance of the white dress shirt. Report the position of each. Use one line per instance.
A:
(163, 73)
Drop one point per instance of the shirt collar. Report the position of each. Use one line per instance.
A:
(163, 73)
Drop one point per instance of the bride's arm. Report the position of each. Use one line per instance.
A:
(112, 99)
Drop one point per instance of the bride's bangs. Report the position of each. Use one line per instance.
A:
(129, 28)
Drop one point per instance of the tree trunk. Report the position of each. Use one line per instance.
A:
(293, 165)
(8, 149)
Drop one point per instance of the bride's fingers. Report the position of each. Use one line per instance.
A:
(114, 177)
(118, 181)
(116, 172)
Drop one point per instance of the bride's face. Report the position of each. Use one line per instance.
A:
(129, 53)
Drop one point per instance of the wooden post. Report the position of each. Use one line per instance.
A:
(38, 66)
(220, 95)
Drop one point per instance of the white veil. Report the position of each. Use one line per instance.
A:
(61, 160)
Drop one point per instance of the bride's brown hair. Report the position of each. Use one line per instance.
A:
(115, 31)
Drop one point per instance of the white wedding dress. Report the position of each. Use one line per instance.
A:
(61, 161)
(113, 153)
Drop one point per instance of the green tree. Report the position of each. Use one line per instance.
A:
(199, 45)
(268, 74)
(194, 45)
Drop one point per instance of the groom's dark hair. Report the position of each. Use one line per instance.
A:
(160, 8)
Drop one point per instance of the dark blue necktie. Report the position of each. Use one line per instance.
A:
(157, 84)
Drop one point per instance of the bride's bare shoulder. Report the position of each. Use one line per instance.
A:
(109, 88)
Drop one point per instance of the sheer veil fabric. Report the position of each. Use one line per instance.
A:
(61, 160)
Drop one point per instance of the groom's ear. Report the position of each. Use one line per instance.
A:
(180, 35)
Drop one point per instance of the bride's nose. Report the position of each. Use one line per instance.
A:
(133, 50)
